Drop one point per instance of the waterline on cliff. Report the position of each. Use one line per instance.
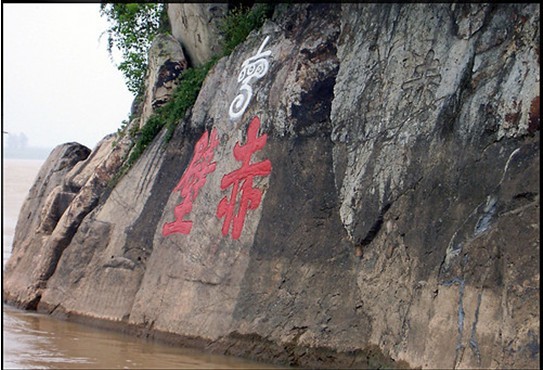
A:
(38, 341)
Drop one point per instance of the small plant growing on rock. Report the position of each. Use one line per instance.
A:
(240, 21)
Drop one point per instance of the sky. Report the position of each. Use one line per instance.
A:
(59, 84)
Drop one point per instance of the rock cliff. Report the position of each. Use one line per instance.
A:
(357, 185)
(196, 28)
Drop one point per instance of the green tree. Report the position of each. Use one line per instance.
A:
(132, 28)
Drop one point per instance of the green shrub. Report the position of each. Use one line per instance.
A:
(239, 22)
(146, 135)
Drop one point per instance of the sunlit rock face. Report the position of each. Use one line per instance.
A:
(356, 185)
(196, 27)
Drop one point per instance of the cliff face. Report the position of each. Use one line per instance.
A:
(356, 185)
(196, 28)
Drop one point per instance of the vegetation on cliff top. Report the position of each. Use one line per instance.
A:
(132, 28)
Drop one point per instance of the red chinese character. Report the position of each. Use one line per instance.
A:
(192, 181)
(242, 181)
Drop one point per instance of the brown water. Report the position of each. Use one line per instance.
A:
(37, 341)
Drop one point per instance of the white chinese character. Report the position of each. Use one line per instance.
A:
(254, 67)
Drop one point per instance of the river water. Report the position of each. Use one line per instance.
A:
(37, 341)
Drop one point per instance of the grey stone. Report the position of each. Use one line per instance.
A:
(195, 26)
(166, 64)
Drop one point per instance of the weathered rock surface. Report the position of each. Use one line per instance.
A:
(32, 261)
(166, 62)
(388, 212)
(47, 223)
(195, 26)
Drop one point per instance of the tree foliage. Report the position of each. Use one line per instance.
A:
(132, 28)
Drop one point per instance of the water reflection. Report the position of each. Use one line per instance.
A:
(36, 341)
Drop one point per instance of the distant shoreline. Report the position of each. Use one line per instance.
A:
(24, 160)
(26, 153)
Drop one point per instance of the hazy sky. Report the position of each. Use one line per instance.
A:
(58, 82)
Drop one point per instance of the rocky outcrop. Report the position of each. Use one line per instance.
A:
(33, 261)
(68, 187)
(357, 185)
(196, 27)
(166, 63)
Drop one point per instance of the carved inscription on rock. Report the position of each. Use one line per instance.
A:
(243, 196)
(254, 67)
(241, 181)
(421, 88)
(192, 181)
